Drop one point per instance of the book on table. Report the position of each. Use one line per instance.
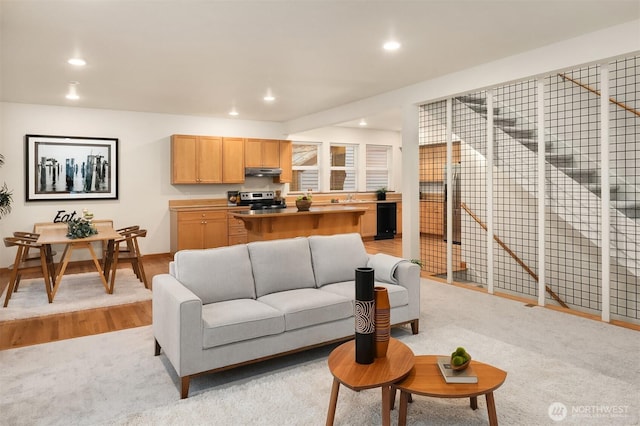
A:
(452, 376)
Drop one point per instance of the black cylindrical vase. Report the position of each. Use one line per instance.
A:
(365, 316)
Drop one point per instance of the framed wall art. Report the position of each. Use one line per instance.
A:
(71, 168)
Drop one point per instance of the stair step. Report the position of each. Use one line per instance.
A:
(628, 208)
(596, 188)
(482, 109)
(580, 175)
(521, 133)
(505, 121)
(559, 159)
(532, 144)
(471, 99)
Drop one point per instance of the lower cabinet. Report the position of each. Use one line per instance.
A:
(236, 230)
(431, 217)
(198, 229)
(369, 220)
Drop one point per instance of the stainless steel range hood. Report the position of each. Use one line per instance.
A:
(263, 171)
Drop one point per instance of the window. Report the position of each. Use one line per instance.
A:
(377, 173)
(343, 168)
(305, 167)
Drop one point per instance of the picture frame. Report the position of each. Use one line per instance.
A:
(71, 168)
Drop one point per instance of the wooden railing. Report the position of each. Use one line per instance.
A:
(514, 256)
(597, 92)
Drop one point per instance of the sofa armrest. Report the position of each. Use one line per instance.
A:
(177, 321)
(408, 276)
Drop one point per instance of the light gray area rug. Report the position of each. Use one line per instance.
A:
(551, 358)
(76, 293)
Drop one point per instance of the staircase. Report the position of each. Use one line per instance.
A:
(571, 173)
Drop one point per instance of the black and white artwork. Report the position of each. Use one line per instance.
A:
(71, 168)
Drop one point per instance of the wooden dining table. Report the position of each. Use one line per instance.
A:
(57, 235)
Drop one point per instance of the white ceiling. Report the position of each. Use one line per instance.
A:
(205, 57)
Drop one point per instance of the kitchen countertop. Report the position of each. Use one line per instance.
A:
(293, 211)
(221, 203)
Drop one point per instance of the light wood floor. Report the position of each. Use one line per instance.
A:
(27, 332)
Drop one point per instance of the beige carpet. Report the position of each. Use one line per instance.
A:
(76, 292)
(551, 358)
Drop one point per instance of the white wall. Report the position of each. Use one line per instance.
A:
(144, 163)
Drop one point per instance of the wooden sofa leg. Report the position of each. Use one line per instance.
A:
(157, 348)
(415, 326)
(184, 392)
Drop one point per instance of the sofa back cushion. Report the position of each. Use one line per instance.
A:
(335, 257)
(281, 265)
(217, 274)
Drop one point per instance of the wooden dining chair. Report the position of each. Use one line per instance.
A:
(127, 249)
(124, 247)
(20, 265)
(28, 255)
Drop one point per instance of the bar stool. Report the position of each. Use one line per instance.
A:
(42, 263)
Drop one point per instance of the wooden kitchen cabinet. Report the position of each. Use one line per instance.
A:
(236, 230)
(431, 217)
(286, 176)
(198, 229)
(196, 159)
(233, 160)
(433, 157)
(262, 153)
(369, 220)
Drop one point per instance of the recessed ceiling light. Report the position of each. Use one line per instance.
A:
(391, 45)
(73, 92)
(362, 122)
(269, 98)
(233, 112)
(78, 62)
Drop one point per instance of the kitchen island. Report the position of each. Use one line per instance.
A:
(274, 224)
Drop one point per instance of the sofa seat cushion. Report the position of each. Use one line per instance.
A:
(398, 295)
(281, 265)
(236, 320)
(307, 306)
(336, 257)
(216, 275)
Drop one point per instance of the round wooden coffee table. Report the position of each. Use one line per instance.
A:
(381, 373)
(425, 379)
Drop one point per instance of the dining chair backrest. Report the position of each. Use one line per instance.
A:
(22, 262)
(127, 249)
(32, 236)
(38, 227)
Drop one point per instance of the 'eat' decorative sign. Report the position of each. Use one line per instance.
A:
(61, 216)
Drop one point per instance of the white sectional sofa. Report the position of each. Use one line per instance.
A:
(224, 307)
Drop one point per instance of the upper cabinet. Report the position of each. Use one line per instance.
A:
(285, 163)
(206, 159)
(196, 159)
(233, 160)
(262, 153)
(215, 159)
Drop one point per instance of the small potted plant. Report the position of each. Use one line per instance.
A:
(80, 228)
(382, 193)
(303, 203)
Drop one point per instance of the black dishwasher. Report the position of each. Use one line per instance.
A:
(386, 221)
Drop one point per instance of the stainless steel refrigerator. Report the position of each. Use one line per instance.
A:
(456, 199)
